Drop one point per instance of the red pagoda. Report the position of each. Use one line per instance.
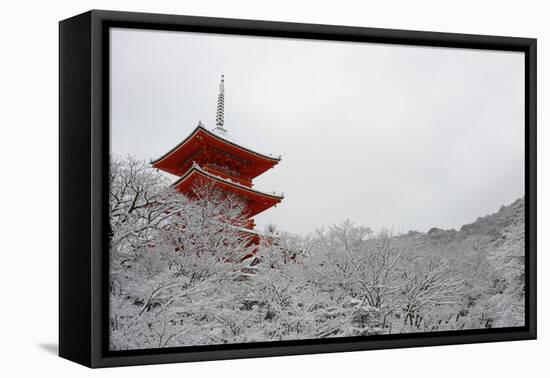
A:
(213, 157)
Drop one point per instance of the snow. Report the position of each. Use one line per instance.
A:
(223, 134)
(220, 133)
(176, 276)
(197, 167)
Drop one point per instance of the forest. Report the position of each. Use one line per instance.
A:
(178, 277)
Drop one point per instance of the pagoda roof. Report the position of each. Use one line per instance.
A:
(268, 158)
(258, 200)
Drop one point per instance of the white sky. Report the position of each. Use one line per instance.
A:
(406, 138)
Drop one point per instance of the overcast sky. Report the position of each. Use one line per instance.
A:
(405, 138)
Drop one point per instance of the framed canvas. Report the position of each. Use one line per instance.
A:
(235, 188)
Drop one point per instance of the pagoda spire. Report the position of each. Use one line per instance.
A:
(219, 109)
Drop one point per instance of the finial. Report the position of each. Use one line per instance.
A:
(219, 109)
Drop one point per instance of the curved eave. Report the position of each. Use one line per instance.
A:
(257, 233)
(199, 128)
(236, 186)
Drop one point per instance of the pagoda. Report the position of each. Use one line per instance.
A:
(213, 157)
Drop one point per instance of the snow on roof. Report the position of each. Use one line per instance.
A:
(221, 134)
(226, 180)
(258, 233)
(249, 231)
(224, 135)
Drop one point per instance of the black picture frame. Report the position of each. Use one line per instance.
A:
(83, 164)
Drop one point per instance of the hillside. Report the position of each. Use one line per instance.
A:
(494, 229)
(492, 251)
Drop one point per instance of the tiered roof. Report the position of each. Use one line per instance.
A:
(258, 201)
(211, 156)
(180, 158)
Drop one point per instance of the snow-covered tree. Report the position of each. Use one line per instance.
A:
(166, 251)
(178, 275)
